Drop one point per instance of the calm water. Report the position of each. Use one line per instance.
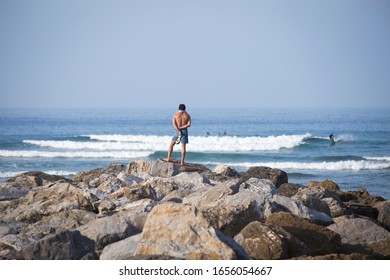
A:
(66, 141)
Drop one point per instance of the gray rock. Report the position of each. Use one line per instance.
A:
(121, 250)
(359, 231)
(111, 229)
(67, 245)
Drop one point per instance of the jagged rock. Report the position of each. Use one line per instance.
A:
(165, 169)
(134, 193)
(261, 242)
(296, 207)
(181, 231)
(384, 214)
(230, 206)
(327, 184)
(48, 200)
(360, 196)
(110, 229)
(37, 178)
(87, 176)
(9, 191)
(288, 189)
(359, 231)
(363, 210)
(319, 240)
(225, 171)
(67, 245)
(334, 205)
(129, 179)
(121, 250)
(177, 195)
(191, 180)
(138, 166)
(276, 176)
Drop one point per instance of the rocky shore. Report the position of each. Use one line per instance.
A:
(161, 210)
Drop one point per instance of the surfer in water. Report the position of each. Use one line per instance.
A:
(181, 120)
(332, 140)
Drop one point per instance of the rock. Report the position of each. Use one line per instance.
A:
(134, 193)
(60, 197)
(288, 189)
(87, 176)
(111, 229)
(181, 231)
(327, 184)
(177, 195)
(319, 240)
(225, 171)
(333, 203)
(296, 207)
(363, 210)
(261, 242)
(121, 250)
(191, 180)
(384, 214)
(37, 178)
(353, 256)
(276, 176)
(230, 206)
(138, 166)
(129, 179)
(10, 191)
(165, 169)
(67, 245)
(359, 231)
(360, 196)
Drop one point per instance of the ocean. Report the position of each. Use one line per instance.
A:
(67, 141)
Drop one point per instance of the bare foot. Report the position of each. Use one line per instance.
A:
(166, 159)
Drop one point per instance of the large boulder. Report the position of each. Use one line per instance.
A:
(261, 242)
(327, 184)
(359, 231)
(296, 207)
(321, 199)
(276, 176)
(121, 250)
(67, 245)
(10, 191)
(384, 214)
(289, 189)
(181, 231)
(230, 206)
(319, 240)
(165, 169)
(110, 229)
(47, 200)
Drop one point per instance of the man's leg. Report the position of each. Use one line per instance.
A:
(183, 152)
(170, 149)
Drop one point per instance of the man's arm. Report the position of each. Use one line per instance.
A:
(188, 124)
(174, 124)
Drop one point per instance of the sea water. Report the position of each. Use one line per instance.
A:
(67, 141)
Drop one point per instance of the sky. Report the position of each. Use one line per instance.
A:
(211, 54)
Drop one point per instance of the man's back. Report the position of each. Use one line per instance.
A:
(181, 118)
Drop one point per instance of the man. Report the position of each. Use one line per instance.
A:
(180, 121)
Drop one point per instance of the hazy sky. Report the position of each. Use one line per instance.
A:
(213, 53)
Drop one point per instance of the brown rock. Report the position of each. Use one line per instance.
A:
(181, 231)
(276, 176)
(288, 189)
(327, 184)
(318, 239)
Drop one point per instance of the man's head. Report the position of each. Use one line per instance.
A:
(182, 107)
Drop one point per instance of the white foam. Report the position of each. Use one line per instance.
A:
(51, 172)
(334, 165)
(198, 143)
(378, 158)
(75, 154)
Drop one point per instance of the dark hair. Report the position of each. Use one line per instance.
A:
(182, 107)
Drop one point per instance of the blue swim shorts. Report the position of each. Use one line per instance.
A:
(184, 136)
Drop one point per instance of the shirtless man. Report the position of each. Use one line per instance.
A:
(180, 121)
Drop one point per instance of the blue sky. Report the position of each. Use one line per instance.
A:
(215, 53)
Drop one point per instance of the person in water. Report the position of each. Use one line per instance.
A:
(181, 121)
(332, 140)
